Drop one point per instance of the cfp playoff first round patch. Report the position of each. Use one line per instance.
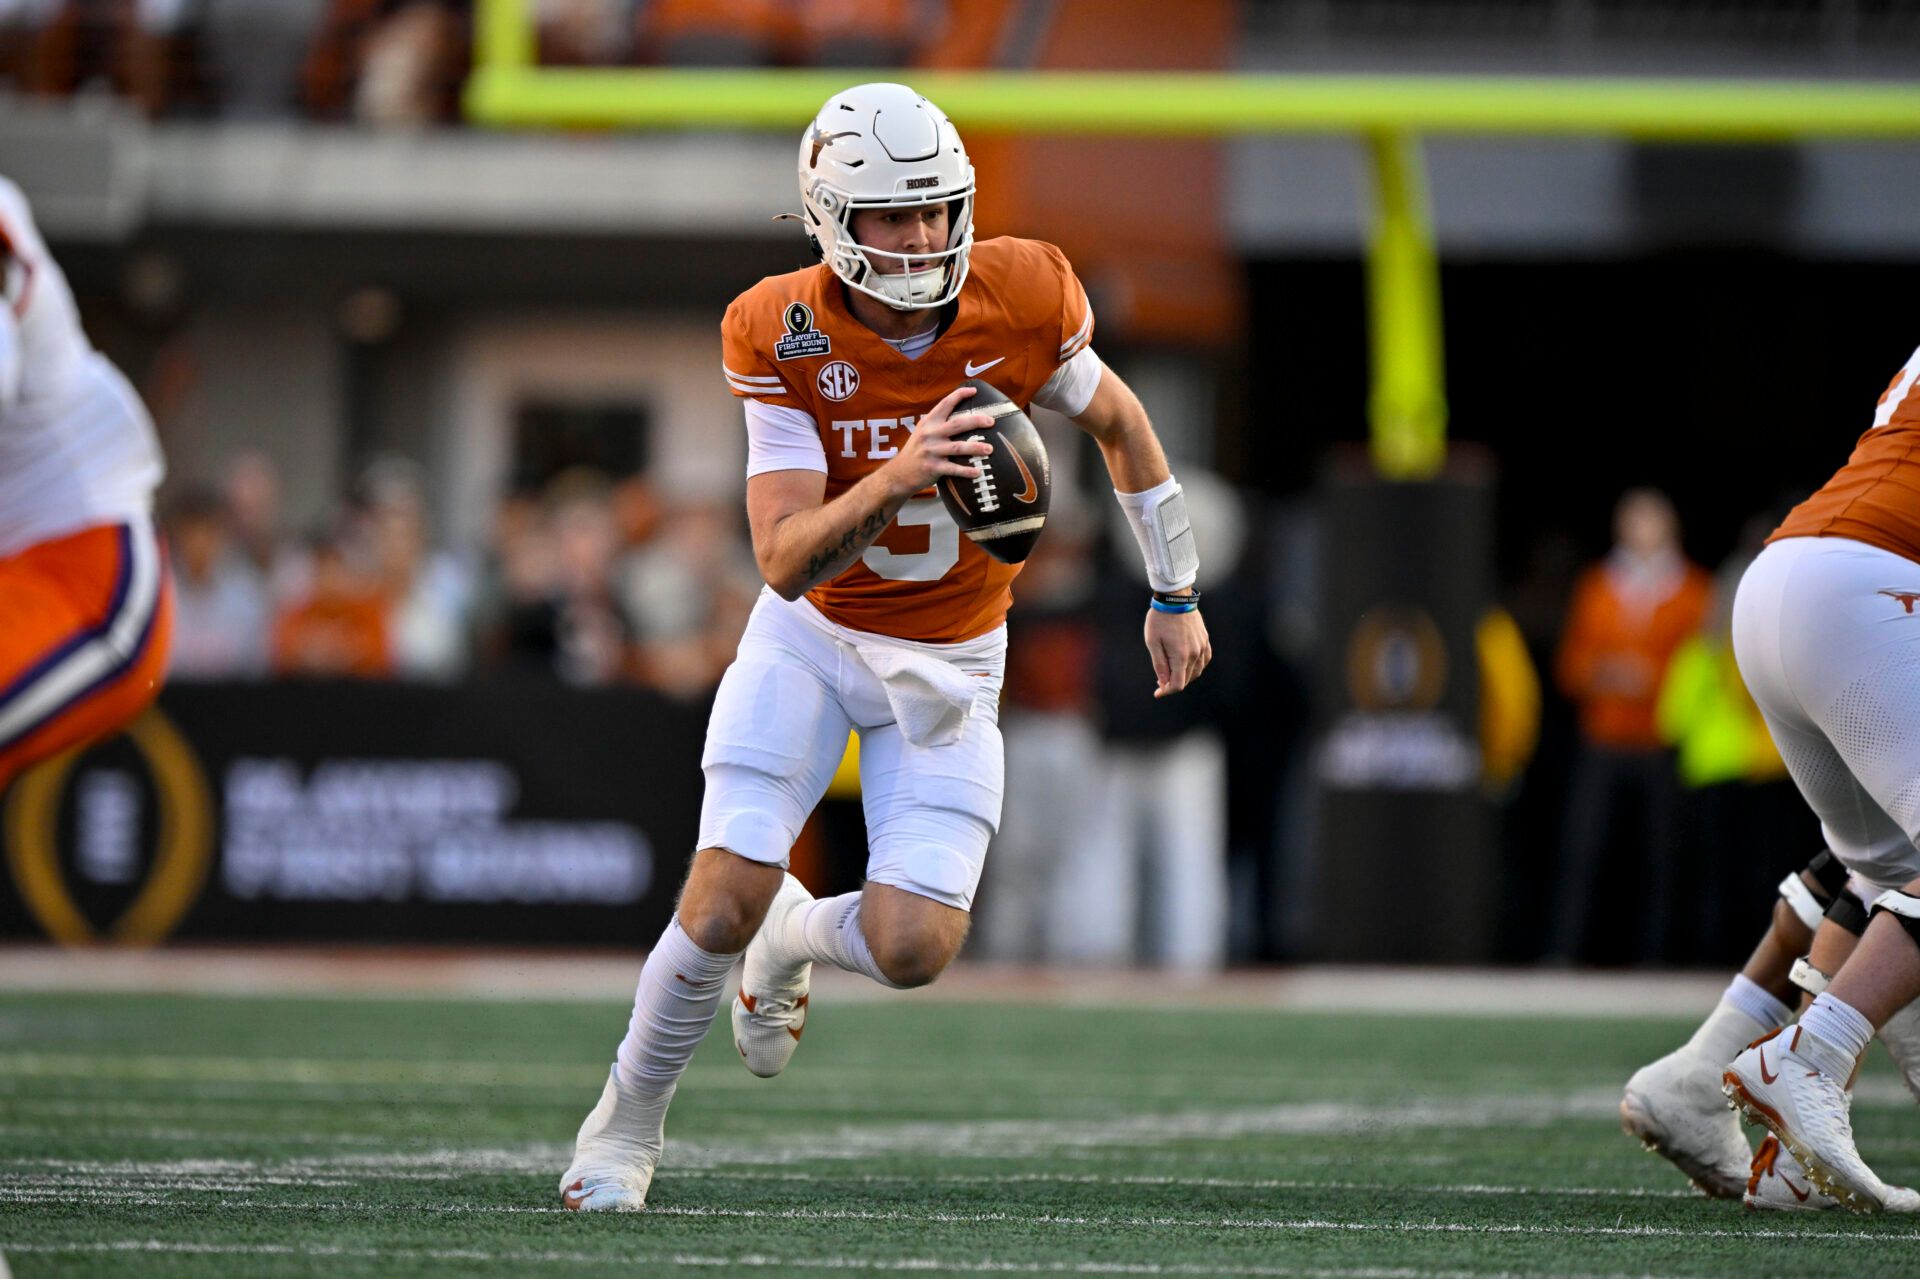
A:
(801, 339)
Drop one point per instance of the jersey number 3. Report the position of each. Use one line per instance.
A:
(920, 545)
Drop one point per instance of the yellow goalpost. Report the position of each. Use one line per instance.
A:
(1407, 403)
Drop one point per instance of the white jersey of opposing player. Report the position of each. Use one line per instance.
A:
(77, 448)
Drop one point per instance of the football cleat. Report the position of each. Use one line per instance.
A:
(1773, 1086)
(770, 1012)
(1778, 1183)
(1675, 1108)
(615, 1153)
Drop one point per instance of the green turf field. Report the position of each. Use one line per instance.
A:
(147, 1135)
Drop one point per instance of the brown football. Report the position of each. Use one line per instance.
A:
(1005, 505)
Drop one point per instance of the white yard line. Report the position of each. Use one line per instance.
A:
(548, 975)
(1074, 1221)
(142, 1189)
(1015, 1138)
(298, 1070)
(786, 1261)
(227, 1136)
(849, 1142)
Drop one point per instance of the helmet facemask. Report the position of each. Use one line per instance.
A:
(918, 281)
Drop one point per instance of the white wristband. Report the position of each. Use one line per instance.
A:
(1159, 521)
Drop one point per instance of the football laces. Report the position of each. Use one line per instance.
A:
(986, 495)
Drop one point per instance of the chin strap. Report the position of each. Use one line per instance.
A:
(919, 287)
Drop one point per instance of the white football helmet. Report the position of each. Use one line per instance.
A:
(885, 146)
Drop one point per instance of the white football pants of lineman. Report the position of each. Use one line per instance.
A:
(1162, 809)
(778, 730)
(1829, 646)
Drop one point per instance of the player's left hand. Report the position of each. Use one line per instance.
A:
(1178, 644)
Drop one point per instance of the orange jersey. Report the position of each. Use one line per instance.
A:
(1614, 653)
(791, 342)
(1875, 497)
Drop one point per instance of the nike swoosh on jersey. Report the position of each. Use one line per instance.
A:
(975, 370)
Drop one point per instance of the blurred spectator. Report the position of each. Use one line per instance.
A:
(688, 591)
(556, 611)
(516, 571)
(21, 22)
(1053, 749)
(58, 47)
(162, 56)
(1628, 615)
(251, 490)
(220, 610)
(585, 32)
(339, 628)
(728, 33)
(428, 592)
(1145, 880)
(858, 33)
(253, 50)
(397, 62)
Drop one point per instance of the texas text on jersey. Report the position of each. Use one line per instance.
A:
(791, 343)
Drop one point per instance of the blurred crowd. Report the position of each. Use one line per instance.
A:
(403, 61)
(1650, 824)
(591, 580)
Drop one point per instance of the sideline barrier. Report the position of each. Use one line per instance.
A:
(506, 812)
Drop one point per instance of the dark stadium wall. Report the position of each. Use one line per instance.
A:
(1733, 380)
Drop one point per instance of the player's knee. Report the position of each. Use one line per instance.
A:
(914, 957)
(724, 901)
(1788, 926)
(718, 926)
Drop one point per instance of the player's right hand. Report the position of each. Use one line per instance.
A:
(932, 453)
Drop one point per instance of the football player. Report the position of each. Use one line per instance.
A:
(85, 604)
(1828, 642)
(878, 615)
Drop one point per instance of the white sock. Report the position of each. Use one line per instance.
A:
(1901, 1035)
(679, 993)
(1745, 1012)
(828, 931)
(1839, 1034)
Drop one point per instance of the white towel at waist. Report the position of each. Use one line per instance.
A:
(931, 699)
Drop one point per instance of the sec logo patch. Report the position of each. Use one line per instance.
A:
(839, 380)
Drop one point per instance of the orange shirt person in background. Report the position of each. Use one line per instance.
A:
(1629, 613)
(340, 628)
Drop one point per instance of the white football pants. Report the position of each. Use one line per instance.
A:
(1828, 642)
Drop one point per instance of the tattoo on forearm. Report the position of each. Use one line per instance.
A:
(830, 559)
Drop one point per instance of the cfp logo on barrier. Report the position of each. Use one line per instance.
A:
(108, 847)
(1396, 660)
